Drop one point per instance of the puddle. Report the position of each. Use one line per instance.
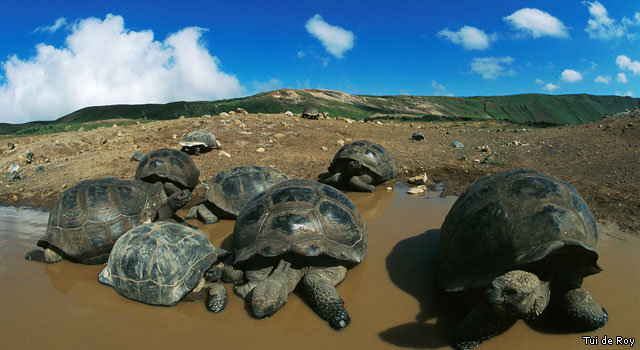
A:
(388, 296)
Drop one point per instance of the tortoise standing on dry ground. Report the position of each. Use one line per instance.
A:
(199, 141)
(310, 112)
(298, 230)
(360, 165)
(517, 245)
(161, 263)
(173, 168)
(229, 191)
(90, 216)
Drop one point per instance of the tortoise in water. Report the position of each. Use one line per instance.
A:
(90, 216)
(360, 165)
(173, 168)
(199, 140)
(298, 230)
(161, 263)
(229, 191)
(310, 112)
(518, 245)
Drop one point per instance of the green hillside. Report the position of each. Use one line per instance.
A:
(524, 108)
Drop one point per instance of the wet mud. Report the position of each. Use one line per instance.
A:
(389, 296)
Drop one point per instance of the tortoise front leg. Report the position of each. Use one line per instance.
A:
(481, 324)
(206, 215)
(170, 188)
(580, 312)
(216, 299)
(271, 294)
(44, 256)
(335, 180)
(319, 287)
(362, 183)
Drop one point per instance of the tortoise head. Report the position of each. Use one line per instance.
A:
(519, 293)
(173, 203)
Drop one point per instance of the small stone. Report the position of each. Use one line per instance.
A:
(607, 127)
(389, 188)
(348, 140)
(114, 125)
(418, 180)
(64, 186)
(137, 155)
(223, 114)
(39, 169)
(417, 136)
(485, 148)
(284, 124)
(28, 157)
(15, 198)
(457, 144)
(288, 114)
(181, 117)
(231, 113)
(13, 167)
(324, 148)
(340, 143)
(417, 190)
(174, 136)
(241, 111)
(224, 154)
(14, 176)
(11, 145)
(349, 121)
(476, 160)
(464, 157)
(260, 150)
(278, 136)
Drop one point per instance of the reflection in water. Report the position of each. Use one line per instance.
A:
(388, 295)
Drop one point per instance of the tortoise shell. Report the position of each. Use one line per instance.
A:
(302, 217)
(90, 216)
(232, 190)
(167, 164)
(310, 111)
(520, 219)
(372, 155)
(158, 263)
(199, 138)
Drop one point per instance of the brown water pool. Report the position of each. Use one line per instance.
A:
(388, 296)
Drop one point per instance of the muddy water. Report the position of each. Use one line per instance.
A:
(388, 295)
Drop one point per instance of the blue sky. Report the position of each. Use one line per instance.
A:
(59, 56)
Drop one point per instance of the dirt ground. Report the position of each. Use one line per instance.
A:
(600, 159)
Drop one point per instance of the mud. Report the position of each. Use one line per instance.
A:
(389, 295)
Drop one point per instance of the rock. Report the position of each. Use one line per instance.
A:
(484, 148)
(324, 148)
(260, 150)
(241, 111)
(279, 136)
(224, 154)
(349, 121)
(181, 117)
(15, 198)
(28, 157)
(14, 176)
(11, 145)
(137, 155)
(340, 143)
(418, 180)
(417, 136)
(348, 140)
(464, 157)
(223, 114)
(174, 136)
(119, 134)
(389, 188)
(39, 169)
(13, 167)
(457, 144)
(232, 113)
(417, 190)
(288, 114)
(64, 186)
(607, 127)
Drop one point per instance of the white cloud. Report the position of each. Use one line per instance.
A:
(104, 63)
(601, 26)
(570, 76)
(491, 67)
(52, 28)
(625, 62)
(602, 79)
(551, 87)
(622, 78)
(335, 39)
(539, 81)
(271, 84)
(537, 23)
(471, 38)
(628, 93)
(439, 89)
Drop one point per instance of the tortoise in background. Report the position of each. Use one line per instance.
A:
(518, 245)
(162, 263)
(360, 165)
(174, 169)
(90, 216)
(198, 141)
(310, 112)
(298, 230)
(229, 191)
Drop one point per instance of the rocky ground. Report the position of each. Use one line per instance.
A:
(600, 159)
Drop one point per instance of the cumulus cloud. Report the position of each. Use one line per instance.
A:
(570, 76)
(602, 79)
(601, 26)
(471, 38)
(52, 28)
(626, 94)
(622, 78)
(439, 89)
(103, 63)
(492, 67)
(625, 63)
(537, 23)
(539, 81)
(551, 87)
(271, 84)
(335, 40)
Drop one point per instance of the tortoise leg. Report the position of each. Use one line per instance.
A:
(206, 215)
(362, 183)
(170, 188)
(334, 180)
(197, 151)
(231, 274)
(272, 293)
(192, 214)
(319, 288)
(481, 324)
(254, 274)
(580, 312)
(44, 256)
(216, 299)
